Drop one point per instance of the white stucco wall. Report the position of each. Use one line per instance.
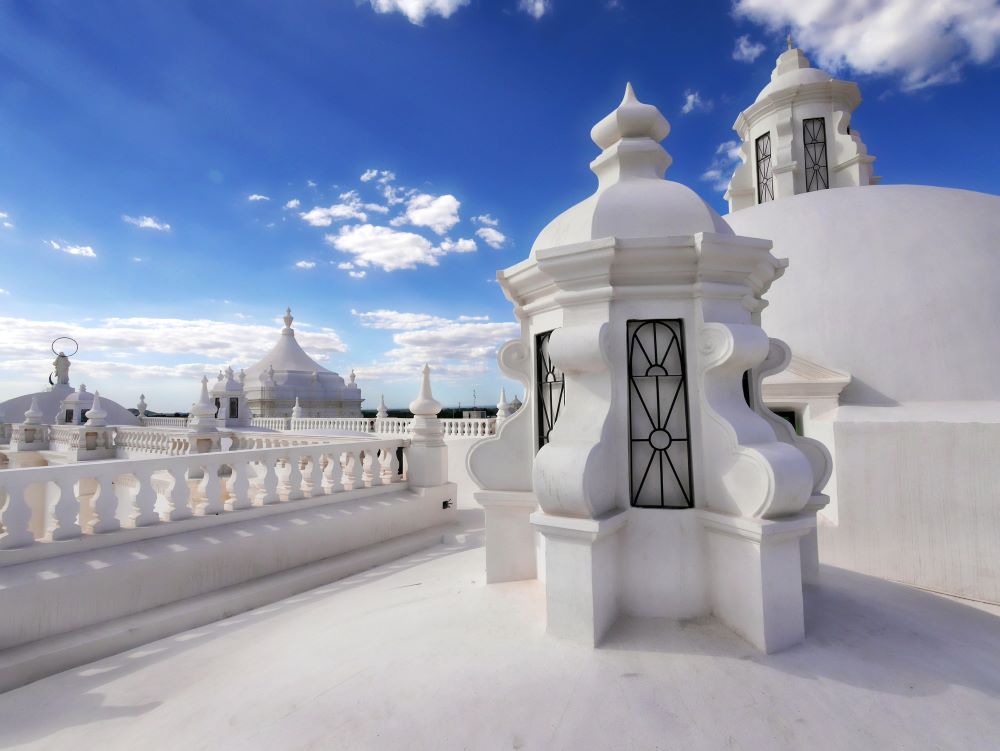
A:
(894, 284)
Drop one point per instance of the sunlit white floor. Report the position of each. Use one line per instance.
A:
(420, 654)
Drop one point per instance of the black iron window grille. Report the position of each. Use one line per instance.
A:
(658, 420)
(551, 385)
(765, 180)
(814, 143)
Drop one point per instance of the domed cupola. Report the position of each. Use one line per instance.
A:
(633, 199)
(797, 138)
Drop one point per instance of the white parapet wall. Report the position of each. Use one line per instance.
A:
(97, 557)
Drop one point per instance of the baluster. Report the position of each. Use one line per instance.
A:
(368, 469)
(105, 507)
(210, 490)
(293, 483)
(239, 486)
(332, 474)
(406, 464)
(144, 502)
(390, 465)
(65, 522)
(314, 479)
(351, 474)
(269, 481)
(16, 518)
(179, 501)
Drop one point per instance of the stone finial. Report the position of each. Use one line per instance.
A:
(141, 406)
(789, 39)
(383, 411)
(220, 377)
(503, 408)
(33, 415)
(83, 388)
(203, 413)
(425, 405)
(297, 409)
(353, 376)
(288, 320)
(630, 138)
(242, 377)
(97, 416)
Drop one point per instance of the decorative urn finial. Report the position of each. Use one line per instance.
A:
(288, 321)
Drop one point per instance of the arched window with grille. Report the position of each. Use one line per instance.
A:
(658, 420)
(814, 147)
(550, 385)
(765, 179)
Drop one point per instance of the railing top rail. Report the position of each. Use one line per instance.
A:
(216, 458)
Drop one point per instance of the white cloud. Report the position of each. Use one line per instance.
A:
(8, 225)
(305, 264)
(417, 10)
(221, 341)
(455, 348)
(311, 183)
(727, 158)
(5, 220)
(464, 245)
(694, 103)
(439, 213)
(492, 237)
(746, 51)
(535, 8)
(925, 43)
(257, 197)
(146, 222)
(350, 207)
(73, 250)
(344, 265)
(293, 204)
(137, 259)
(386, 248)
(4, 292)
(486, 219)
(357, 274)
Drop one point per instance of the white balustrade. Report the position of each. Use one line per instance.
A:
(163, 422)
(100, 498)
(468, 428)
(355, 424)
(270, 423)
(134, 442)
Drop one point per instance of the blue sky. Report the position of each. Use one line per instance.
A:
(426, 143)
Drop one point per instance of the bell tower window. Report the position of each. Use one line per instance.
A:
(765, 180)
(814, 145)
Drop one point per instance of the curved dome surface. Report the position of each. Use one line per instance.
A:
(49, 403)
(794, 78)
(895, 284)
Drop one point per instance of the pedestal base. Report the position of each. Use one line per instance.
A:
(581, 570)
(510, 538)
(809, 542)
(755, 577)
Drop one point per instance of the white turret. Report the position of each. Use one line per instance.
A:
(797, 137)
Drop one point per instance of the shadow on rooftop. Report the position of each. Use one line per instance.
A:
(860, 631)
(74, 694)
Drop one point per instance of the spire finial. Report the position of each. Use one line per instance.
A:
(383, 411)
(641, 127)
(425, 405)
(96, 415)
(288, 318)
(789, 40)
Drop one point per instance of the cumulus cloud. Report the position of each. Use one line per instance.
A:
(257, 197)
(305, 264)
(7, 224)
(293, 203)
(146, 222)
(924, 43)
(357, 274)
(492, 237)
(24, 347)
(350, 207)
(727, 158)
(74, 250)
(4, 292)
(535, 8)
(438, 213)
(390, 249)
(417, 10)
(455, 348)
(463, 245)
(694, 103)
(5, 220)
(486, 219)
(746, 51)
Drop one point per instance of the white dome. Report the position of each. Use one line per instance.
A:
(633, 200)
(894, 284)
(49, 402)
(792, 79)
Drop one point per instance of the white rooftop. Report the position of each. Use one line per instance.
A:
(420, 654)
